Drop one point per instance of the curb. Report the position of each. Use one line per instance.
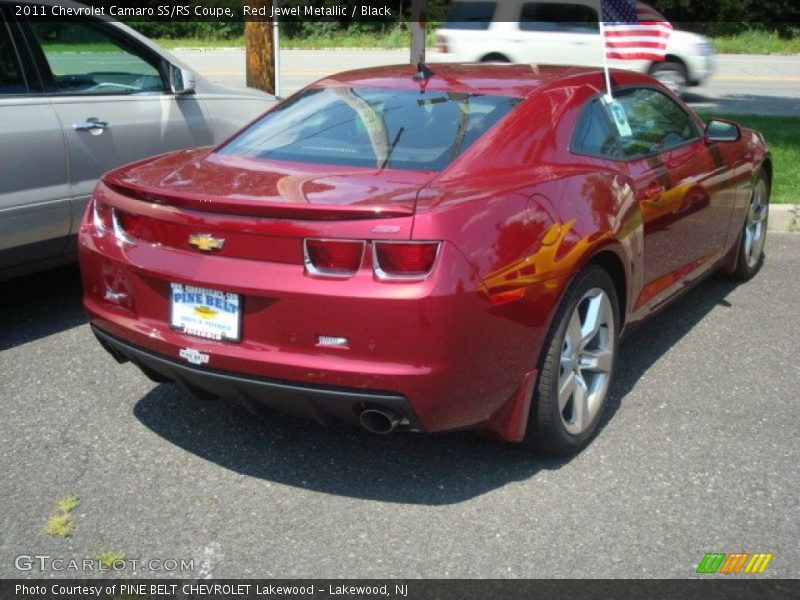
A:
(784, 217)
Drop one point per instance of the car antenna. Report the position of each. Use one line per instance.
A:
(423, 72)
(422, 76)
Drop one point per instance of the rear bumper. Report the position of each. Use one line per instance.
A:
(326, 405)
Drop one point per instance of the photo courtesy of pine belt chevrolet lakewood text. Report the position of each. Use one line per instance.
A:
(431, 248)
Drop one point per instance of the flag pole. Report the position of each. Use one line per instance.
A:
(609, 95)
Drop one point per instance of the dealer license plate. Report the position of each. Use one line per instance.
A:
(205, 313)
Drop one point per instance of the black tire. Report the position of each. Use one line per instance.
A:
(547, 424)
(672, 75)
(749, 260)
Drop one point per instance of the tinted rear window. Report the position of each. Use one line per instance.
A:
(470, 15)
(367, 127)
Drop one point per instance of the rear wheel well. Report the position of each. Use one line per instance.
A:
(495, 57)
(670, 58)
(767, 168)
(612, 264)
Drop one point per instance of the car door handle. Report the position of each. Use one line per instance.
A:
(90, 125)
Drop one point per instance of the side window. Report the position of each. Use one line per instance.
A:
(552, 16)
(594, 135)
(11, 78)
(656, 124)
(470, 15)
(86, 58)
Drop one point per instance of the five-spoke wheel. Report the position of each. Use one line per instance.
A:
(754, 234)
(577, 365)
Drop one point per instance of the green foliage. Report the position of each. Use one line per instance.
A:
(756, 42)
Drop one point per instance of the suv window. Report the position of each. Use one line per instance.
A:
(11, 79)
(86, 58)
(553, 16)
(657, 123)
(470, 15)
(371, 127)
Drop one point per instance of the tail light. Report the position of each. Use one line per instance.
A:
(441, 44)
(131, 225)
(101, 217)
(106, 219)
(404, 260)
(333, 258)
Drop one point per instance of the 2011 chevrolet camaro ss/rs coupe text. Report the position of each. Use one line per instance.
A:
(424, 250)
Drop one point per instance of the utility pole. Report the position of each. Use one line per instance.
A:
(418, 24)
(260, 48)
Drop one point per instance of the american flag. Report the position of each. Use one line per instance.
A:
(634, 31)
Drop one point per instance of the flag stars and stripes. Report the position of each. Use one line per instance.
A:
(634, 31)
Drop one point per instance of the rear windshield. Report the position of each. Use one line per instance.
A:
(470, 15)
(366, 127)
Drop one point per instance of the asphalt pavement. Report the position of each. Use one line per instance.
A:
(741, 84)
(698, 452)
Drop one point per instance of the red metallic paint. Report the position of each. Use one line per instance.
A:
(518, 215)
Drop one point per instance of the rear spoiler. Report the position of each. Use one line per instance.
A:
(256, 208)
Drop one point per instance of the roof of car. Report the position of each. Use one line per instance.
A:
(519, 80)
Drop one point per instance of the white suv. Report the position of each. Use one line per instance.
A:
(563, 32)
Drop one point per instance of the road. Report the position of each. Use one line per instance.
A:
(698, 452)
(742, 83)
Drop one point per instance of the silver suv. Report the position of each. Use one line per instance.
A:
(78, 98)
(565, 32)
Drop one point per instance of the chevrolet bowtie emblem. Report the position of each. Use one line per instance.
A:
(205, 241)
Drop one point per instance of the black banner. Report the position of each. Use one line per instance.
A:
(387, 11)
(733, 588)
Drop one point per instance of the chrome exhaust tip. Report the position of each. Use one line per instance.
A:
(379, 421)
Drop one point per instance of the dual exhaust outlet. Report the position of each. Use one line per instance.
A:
(379, 420)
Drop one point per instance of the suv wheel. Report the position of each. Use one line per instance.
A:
(672, 75)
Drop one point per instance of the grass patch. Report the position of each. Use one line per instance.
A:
(107, 559)
(60, 524)
(783, 137)
(194, 42)
(397, 38)
(68, 503)
(756, 42)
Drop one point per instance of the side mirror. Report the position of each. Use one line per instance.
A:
(722, 131)
(181, 81)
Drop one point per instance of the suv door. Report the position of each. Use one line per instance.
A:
(112, 97)
(560, 33)
(34, 194)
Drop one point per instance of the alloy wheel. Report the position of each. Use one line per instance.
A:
(755, 225)
(587, 357)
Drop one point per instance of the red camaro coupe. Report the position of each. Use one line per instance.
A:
(423, 250)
